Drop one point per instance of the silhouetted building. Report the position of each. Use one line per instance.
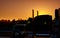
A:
(56, 17)
(56, 13)
(43, 23)
(55, 31)
(59, 14)
(29, 24)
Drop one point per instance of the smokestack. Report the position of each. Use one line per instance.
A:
(37, 13)
(33, 14)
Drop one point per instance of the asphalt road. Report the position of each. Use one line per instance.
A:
(4, 37)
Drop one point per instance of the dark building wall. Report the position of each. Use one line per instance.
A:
(43, 23)
(57, 22)
(56, 13)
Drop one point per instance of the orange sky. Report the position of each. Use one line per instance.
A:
(14, 9)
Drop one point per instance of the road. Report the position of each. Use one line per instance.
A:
(4, 37)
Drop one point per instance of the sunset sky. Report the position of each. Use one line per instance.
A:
(14, 9)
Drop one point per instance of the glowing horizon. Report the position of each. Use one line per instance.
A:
(22, 9)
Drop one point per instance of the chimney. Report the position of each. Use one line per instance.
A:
(33, 14)
(37, 13)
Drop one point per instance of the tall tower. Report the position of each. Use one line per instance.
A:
(37, 13)
(59, 24)
(56, 13)
(33, 14)
(59, 13)
(57, 21)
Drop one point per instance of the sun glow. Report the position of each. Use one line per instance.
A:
(43, 12)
